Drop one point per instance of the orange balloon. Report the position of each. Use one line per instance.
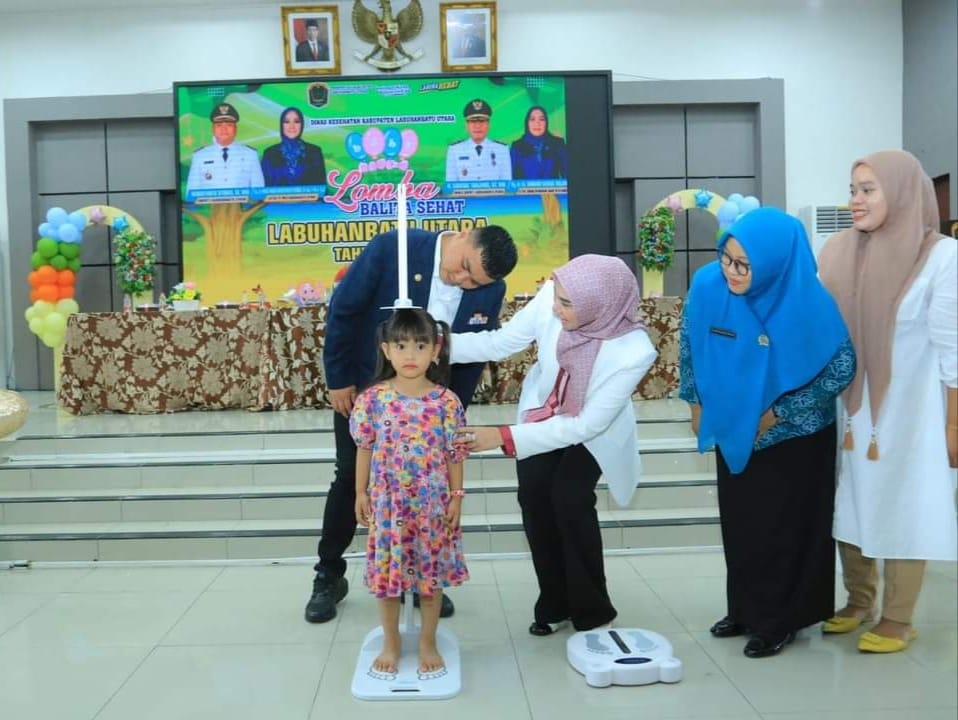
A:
(33, 278)
(65, 291)
(47, 275)
(33, 296)
(66, 277)
(50, 293)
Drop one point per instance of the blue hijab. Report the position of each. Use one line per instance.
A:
(293, 149)
(749, 350)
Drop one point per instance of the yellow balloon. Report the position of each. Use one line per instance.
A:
(43, 307)
(36, 325)
(67, 306)
(55, 323)
(30, 313)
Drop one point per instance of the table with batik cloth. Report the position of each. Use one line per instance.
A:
(262, 359)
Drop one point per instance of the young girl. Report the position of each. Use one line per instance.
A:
(409, 479)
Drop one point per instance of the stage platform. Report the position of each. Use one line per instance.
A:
(234, 485)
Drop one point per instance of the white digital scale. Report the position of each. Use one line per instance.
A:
(623, 656)
(408, 683)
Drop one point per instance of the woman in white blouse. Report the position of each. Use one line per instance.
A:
(576, 423)
(894, 277)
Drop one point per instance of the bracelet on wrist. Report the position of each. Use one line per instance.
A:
(458, 493)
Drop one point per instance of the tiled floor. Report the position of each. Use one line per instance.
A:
(118, 643)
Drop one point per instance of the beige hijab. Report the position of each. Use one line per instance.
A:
(869, 273)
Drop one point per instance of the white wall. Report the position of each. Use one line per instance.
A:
(841, 59)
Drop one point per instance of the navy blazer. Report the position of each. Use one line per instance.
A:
(349, 354)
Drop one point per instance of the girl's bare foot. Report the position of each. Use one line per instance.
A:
(892, 629)
(388, 660)
(429, 658)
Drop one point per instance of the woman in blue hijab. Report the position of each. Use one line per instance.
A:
(293, 161)
(764, 354)
(538, 154)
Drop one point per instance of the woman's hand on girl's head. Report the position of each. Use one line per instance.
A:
(364, 514)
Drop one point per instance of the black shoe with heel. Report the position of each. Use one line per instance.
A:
(760, 646)
(726, 627)
(543, 629)
(327, 591)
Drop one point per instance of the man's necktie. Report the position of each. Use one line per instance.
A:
(478, 149)
(315, 51)
(225, 154)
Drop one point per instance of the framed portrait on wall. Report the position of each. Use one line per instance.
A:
(311, 40)
(469, 35)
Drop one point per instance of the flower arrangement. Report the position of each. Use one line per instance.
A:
(135, 260)
(184, 291)
(656, 239)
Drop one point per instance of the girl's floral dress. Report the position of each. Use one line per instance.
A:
(411, 439)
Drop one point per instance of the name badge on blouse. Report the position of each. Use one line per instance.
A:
(723, 332)
(478, 319)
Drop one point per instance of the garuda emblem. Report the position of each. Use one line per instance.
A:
(387, 33)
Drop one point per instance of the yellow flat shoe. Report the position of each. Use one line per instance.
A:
(872, 643)
(842, 624)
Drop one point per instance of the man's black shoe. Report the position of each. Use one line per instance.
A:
(326, 593)
(445, 611)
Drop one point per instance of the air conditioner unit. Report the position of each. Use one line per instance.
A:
(822, 221)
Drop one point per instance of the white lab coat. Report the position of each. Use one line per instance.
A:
(606, 422)
(902, 506)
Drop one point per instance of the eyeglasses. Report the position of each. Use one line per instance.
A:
(738, 267)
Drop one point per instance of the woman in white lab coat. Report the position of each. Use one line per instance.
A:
(576, 423)
(895, 278)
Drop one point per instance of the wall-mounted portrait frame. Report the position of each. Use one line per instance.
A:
(311, 40)
(469, 36)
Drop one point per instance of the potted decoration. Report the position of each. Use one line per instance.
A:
(134, 258)
(185, 296)
(656, 248)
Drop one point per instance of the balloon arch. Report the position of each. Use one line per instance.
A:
(656, 229)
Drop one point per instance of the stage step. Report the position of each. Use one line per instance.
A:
(20, 507)
(210, 540)
(234, 484)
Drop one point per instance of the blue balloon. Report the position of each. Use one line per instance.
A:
(68, 233)
(750, 203)
(77, 219)
(736, 198)
(57, 216)
(354, 146)
(393, 143)
(727, 212)
(47, 230)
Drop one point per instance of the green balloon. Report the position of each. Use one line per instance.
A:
(74, 264)
(47, 247)
(37, 260)
(69, 250)
(59, 262)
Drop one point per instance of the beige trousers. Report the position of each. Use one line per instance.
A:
(903, 580)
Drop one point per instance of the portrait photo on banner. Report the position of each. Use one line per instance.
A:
(468, 31)
(311, 40)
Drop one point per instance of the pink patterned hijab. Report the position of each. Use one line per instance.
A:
(605, 297)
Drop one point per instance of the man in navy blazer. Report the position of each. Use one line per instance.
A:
(457, 277)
